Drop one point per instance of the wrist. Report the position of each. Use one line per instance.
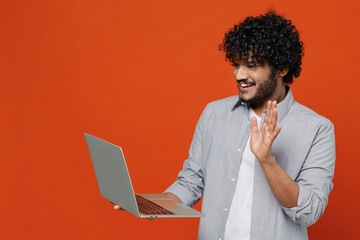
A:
(268, 161)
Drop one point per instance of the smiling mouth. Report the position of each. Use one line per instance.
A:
(245, 84)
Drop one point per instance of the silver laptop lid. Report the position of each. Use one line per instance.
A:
(112, 173)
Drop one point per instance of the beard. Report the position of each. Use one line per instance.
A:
(264, 91)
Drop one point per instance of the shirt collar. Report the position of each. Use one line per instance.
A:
(283, 107)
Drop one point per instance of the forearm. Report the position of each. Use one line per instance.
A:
(285, 189)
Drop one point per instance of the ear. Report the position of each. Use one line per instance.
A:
(283, 72)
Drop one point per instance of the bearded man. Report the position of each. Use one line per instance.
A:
(262, 162)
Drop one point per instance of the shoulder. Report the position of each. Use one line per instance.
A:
(220, 110)
(224, 104)
(307, 117)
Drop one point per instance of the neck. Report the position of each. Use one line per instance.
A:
(278, 96)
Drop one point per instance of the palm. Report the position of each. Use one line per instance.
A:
(261, 140)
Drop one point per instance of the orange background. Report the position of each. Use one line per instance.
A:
(138, 74)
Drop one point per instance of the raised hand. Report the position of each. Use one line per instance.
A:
(261, 140)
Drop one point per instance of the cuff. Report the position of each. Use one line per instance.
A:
(303, 209)
(183, 193)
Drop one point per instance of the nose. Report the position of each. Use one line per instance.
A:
(240, 73)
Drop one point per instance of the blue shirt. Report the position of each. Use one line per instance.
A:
(305, 148)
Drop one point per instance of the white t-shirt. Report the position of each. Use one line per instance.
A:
(239, 220)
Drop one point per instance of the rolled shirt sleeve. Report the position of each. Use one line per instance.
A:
(189, 185)
(315, 178)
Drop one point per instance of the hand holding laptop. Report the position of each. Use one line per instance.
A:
(115, 185)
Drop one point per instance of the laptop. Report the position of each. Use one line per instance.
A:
(115, 185)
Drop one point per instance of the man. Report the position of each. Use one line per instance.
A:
(262, 183)
(262, 162)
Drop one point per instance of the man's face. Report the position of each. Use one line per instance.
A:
(257, 83)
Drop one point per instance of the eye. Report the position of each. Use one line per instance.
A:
(252, 65)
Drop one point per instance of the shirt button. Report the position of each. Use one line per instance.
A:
(239, 149)
(233, 179)
(219, 238)
(225, 209)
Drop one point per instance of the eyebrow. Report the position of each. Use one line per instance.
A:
(246, 61)
(251, 62)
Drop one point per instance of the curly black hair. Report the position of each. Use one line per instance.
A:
(269, 38)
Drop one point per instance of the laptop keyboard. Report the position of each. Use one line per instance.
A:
(147, 207)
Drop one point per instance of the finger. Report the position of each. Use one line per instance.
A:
(272, 106)
(264, 126)
(275, 133)
(254, 126)
(268, 112)
(274, 114)
(117, 207)
(273, 120)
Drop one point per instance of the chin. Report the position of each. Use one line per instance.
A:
(245, 99)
